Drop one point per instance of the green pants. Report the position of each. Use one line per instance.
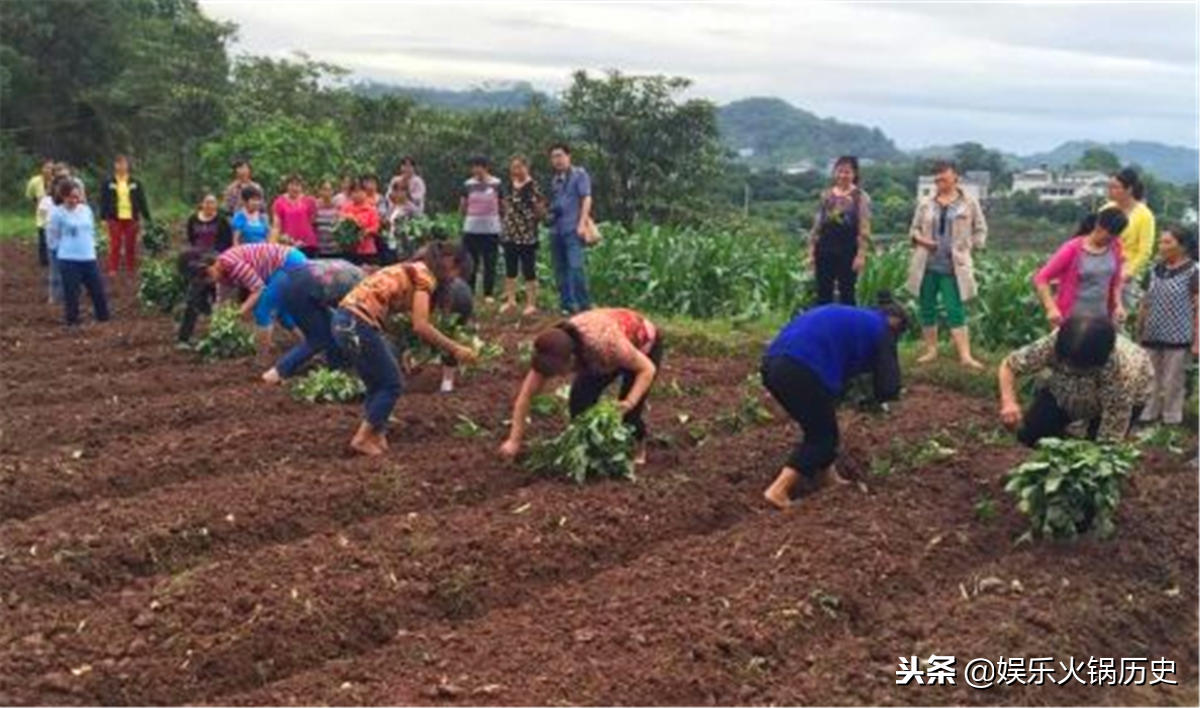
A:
(945, 287)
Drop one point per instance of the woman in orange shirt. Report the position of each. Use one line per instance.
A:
(410, 287)
(363, 212)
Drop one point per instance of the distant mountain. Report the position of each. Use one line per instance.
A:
(494, 96)
(770, 132)
(1172, 163)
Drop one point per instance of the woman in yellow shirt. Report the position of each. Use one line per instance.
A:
(123, 207)
(1127, 192)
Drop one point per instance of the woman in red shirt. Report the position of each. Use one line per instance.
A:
(362, 212)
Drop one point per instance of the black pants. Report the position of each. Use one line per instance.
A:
(82, 274)
(200, 298)
(835, 271)
(1045, 419)
(43, 251)
(520, 258)
(586, 390)
(809, 403)
(483, 249)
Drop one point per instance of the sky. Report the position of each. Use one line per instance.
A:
(1022, 77)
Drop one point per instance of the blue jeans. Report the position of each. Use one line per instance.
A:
(375, 363)
(300, 301)
(268, 303)
(567, 255)
(82, 274)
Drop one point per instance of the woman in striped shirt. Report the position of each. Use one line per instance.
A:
(599, 346)
(412, 287)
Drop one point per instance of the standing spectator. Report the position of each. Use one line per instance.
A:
(47, 206)
(1087, 271)
(366, 215)
(74, 226)
(1167, 323)
(242, 180)
(295, 215)
(250, 224)
(1127, 192)
(391, 218)
(36, 190)
(326, 219)
(207, 230)
(123, 207)
(345, 186)
(524, 209)
(570, 211)
(480, 207)
(414, 187)
(841, 234)
(946, 227)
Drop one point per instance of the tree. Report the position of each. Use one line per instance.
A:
(651, 155)
(1100, 160)
(278, 147)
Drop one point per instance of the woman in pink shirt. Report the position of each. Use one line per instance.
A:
(1087, 270)
(295, 215)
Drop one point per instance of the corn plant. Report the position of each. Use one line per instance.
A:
(1006, 313)
(595, 444)
(325, 385)
(160, 286)
(228, 337)
(156, 238)
(1071, 487)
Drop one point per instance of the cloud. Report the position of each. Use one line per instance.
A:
(1021, 77)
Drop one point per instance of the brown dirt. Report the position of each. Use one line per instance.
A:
(175, 532)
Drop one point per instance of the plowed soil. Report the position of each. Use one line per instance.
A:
(174, 531)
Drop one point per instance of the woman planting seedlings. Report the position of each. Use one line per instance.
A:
(307, 298)
(412, 288)
(598, 346)
(807, 367)
(1094, 376)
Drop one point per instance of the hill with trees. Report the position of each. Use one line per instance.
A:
(779, 134)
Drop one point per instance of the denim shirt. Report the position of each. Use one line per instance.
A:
(567, 191)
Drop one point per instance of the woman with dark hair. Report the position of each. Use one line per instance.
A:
(481, 210)
(307, 299)
(242, 180)
(524, 210)
(1127, 193)
(413, 185)
(207, 228)
(1094, 375)
(412, 287)
(808, 366)
(1168, 323)
(123, 208)
(598, 347)
(74, 227)
(1087, 272)
(250, 225)
(294, 214)
(841, 234)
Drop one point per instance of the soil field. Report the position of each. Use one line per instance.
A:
(176, 532)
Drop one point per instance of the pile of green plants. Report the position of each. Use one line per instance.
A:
(326, 385)
(347, 234)
(1071, 487)
(595, 444)
(156, 238)
(161, 287)
(420, 353)
(228, 336)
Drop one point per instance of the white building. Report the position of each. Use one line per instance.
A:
(974, 183)
(1079, 185)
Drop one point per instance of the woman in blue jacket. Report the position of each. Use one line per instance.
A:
(806, 369)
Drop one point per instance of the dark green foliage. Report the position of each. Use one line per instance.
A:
(160, 286)
(156, 238)
(228, 337)
(347, 235)
(595, 444)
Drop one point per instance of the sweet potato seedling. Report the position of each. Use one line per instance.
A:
(595, 444)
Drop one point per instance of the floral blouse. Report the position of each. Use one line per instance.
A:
(612, 337)
(387, 291)
(1110, 392)
(521, 211)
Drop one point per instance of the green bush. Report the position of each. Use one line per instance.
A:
(156, 238)
(160, 286)
(1071, 487)
(228, 337)
(347, 235)
(326, 385)
(596, 444)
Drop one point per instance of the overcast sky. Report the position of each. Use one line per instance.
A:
(1022, 77)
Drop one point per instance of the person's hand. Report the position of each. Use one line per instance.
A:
(465, 355)
(509, 449)
(1054, 317)
(928, 244)
(625, 405)
(271, 376)
(1010, 414)
(860, 262)
(407, 363)
(1119, 315)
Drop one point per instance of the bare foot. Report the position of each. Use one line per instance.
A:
(529, 311)
(830, 478)
(639, 455)
(508, 307)
(367, 446)
(777, 498)
(928, 356)
(971, 363)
